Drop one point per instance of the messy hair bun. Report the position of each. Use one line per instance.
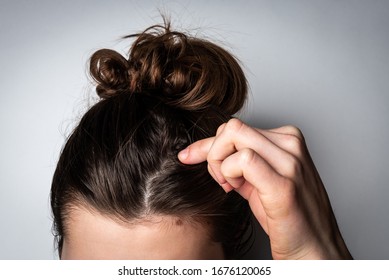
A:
(183, 71)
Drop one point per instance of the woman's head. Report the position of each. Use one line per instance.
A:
(119, 183)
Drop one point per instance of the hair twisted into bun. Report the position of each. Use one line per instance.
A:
(110, 70)
(183, 71)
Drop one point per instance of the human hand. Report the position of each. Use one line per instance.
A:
(273, 170)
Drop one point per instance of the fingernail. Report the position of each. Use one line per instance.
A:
(183, 154)
(226, 187)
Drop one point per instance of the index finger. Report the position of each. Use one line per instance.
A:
(196, 152)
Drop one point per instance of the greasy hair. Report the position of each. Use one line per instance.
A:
(121, 159)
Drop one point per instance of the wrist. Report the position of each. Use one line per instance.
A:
(329, 250)
(335, 249)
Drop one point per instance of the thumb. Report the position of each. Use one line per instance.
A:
(196, 152)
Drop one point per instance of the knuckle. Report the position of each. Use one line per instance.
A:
(220, 128)
(234, 125)
(295, 144)
(246, 157)
(293, 167)
(295, 131)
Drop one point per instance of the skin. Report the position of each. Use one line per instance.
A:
(93, 236)
(273, 170)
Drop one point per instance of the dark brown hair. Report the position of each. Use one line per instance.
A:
(121, 159)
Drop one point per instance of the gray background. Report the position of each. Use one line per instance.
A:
(320, 65)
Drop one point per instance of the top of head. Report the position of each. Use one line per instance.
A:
(121, 159)
(183, 71)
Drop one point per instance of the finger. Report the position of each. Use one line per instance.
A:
(237, 136)
(291, 143)
(220, 129)
(196, 152)
(261, 181)
(226, 186)
(240, 165)
(289, 129)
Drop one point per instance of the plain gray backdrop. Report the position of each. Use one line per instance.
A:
(320, 65)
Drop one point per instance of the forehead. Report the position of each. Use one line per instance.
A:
(90, 235)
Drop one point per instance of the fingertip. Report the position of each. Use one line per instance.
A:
(226, 187)
(183, 155)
